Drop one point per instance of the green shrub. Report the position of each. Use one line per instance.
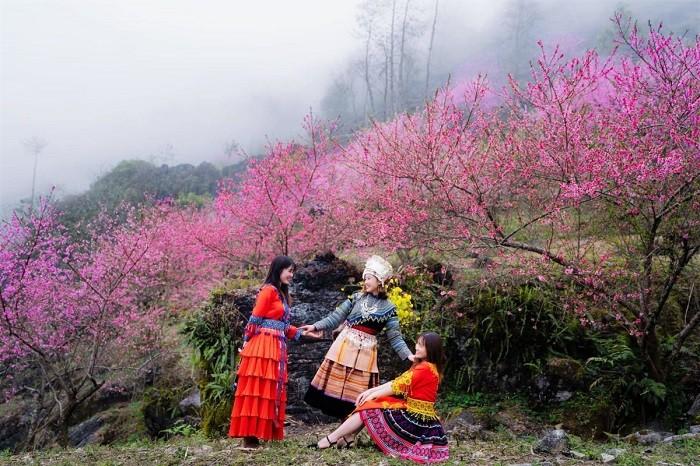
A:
(214, 332)
(160, 409)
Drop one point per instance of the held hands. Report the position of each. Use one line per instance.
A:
(412, 357)
(367, 395)
(311, 332)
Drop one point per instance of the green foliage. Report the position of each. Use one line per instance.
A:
(619, 374)
(467, 399)
(521, 332)
(526, 319)
(214, 332)
(138, 182)
(498, 327)
(216, 417)
(428, 294)
(181, 428)
(192, 199)
(620, 394)
(160, 408)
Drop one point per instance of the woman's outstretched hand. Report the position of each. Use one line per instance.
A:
(365, 396)
(307, 328)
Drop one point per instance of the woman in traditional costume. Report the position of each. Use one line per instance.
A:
(350, 366)
(400, 415)
(261, 392)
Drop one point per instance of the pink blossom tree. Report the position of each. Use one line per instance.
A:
(588, 174)
(74, 316)
(290, 202)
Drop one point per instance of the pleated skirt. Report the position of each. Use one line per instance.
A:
(261, 393)
(349, 368)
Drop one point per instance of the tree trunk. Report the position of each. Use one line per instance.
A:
(688, 329)
(402, 90)
(368, 82)
(36, 162)
(391, 58)
(37, 408)
(386, 81)
(430, 49)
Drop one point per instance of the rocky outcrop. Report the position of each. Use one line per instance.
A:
(13, 430)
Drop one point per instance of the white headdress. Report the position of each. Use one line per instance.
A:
(379, 268)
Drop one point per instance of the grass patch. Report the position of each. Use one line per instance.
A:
(503, 448)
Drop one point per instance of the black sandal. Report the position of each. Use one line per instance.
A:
(316, 447)
(346, 443)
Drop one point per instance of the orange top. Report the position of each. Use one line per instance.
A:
(417, 387)
(421, 382)
(268, 308)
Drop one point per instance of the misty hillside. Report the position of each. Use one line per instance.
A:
(138, 181)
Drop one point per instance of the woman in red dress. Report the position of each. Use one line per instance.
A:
(261, 392)
(400, 415)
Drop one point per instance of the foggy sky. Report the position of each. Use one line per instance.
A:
(174, 80)
(103, 81)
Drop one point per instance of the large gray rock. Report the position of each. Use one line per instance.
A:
(694, 410)
(554, 442)
(646, 437)
(674, 438)
(611, 456)
(465, 427)
(191, 403)
(86, 433)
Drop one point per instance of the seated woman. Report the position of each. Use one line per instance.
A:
(400, 415)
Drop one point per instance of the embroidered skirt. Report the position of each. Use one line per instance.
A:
(349, 368)
(404, 435)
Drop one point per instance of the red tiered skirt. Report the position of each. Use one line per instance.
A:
(261, 395)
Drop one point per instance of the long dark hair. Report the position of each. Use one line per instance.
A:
(434, 351)
(278, 264)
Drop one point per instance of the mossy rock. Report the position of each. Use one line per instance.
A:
(586, 415)
(118, 424)
(567, 369)
(216, 418)
(160, 409)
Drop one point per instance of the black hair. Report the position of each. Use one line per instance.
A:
(277, 265)
(434, 351)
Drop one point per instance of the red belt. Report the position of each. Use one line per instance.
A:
(362, 328)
